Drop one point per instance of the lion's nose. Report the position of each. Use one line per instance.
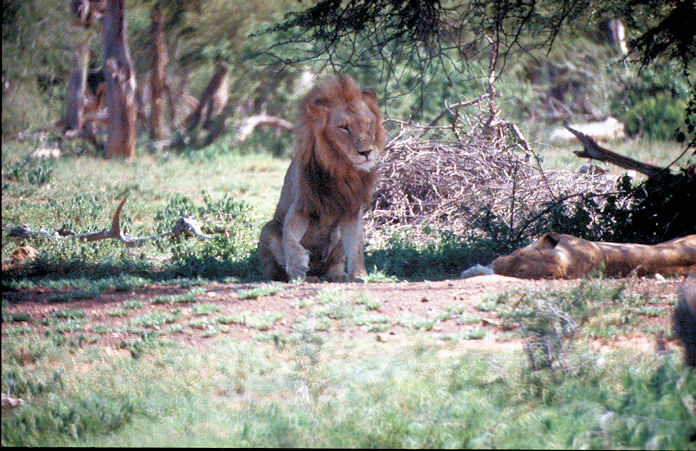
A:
(365, 152)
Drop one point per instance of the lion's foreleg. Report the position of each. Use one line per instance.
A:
(352, 236)
(296, 256)
(271, 251)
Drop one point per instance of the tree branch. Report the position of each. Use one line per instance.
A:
(594, 151)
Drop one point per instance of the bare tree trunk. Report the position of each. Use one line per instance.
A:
(158, 83)
(212, 101)
(75, 101)
(120, 83)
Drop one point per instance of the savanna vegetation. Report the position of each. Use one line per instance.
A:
(180, 341)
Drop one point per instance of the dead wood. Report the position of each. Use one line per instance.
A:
(120, 83)
(472, 170)
(212, 102)
(75, 98)
(186, 226)
(158, 75)
(594, 151)
(248, 125)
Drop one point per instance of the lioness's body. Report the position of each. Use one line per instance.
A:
(317, 225)
(559, 256)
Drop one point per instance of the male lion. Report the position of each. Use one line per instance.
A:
(317, 224)
(559, 256)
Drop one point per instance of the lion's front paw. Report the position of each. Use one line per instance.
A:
(297, 275)
(357, 276)
(337, 277)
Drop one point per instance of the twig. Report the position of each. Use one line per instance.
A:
(448, 109)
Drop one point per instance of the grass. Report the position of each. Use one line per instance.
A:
(313, 393)
(264, 290)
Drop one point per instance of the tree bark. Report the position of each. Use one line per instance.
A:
(75, 102)
(158, 76)
(120, 83)
(212, 101)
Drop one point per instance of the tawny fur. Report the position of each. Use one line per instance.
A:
(317, 224)
(559, 256)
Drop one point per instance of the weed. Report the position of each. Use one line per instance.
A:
(71, 314)
(465, 319)
(118, 312)
(205, 309)
(417, 323)
(19, 330)
(264, 290)
(73, 295)
(473, 334)
(101, 329)
(153, 319)
(15, 317)
(133, 305)
(651, 311)
(301, 303)
(330, 294)
(174, 329)
(199, 324)
(71, 325)
(369, 302)
(491, 302)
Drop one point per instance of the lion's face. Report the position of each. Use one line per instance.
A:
(341, 126)
(352, 127)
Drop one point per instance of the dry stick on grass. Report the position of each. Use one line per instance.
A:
(594, 151)
(185, 225)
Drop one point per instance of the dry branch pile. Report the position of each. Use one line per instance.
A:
(483, 167)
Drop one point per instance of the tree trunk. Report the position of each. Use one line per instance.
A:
(212, 101)
(120, 83)
(75, 101)
(158, 83)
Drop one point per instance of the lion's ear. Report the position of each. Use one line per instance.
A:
(369, 94)
(548, 241)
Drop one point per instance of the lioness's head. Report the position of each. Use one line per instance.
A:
(340, 125)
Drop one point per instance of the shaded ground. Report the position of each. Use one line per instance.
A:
(391, 311)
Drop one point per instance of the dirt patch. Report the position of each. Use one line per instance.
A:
(396, 308)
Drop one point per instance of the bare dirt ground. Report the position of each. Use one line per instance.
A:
(397, 299)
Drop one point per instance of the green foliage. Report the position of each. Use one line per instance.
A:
(434, 260)
(652, 102)
(35, 171)
(36, 38)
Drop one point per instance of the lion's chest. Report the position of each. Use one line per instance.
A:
(319, 234)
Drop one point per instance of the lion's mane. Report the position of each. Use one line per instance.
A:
(329, 184)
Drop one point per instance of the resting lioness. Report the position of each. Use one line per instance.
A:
(559, 256)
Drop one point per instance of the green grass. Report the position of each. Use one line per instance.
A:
(305, 394)
(264, 290)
